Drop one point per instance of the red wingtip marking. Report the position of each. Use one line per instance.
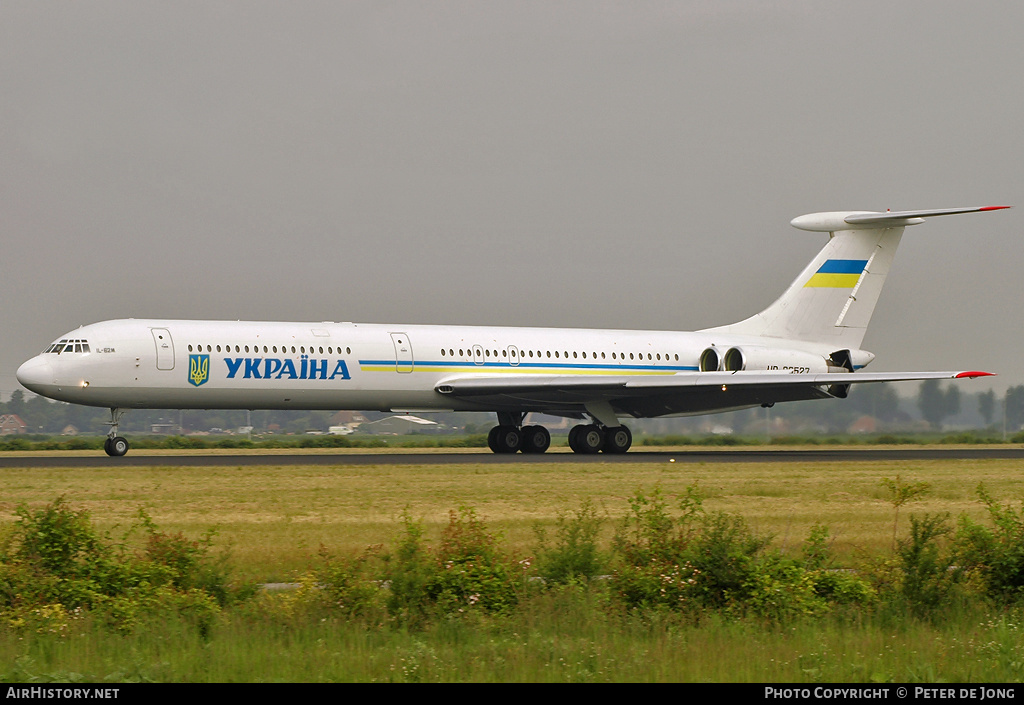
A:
(992, 208)
(971, 375)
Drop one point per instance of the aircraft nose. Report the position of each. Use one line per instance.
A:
(36, 374)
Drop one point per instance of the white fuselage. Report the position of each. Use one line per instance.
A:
(805, 345)
(276, 365)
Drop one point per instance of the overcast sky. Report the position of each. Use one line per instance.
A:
(585, 164)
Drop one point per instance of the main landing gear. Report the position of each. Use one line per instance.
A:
(510, 439)
(594, 438)
(510, 436)
(115, 446)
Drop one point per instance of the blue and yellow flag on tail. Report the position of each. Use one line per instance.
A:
(837, 274)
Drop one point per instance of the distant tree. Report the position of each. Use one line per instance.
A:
(878, 400)
(936, 404)
(987, 406)
(952, 400)
(16, 404)
(1014, 404)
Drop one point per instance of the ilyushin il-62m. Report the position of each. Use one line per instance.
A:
(806, 345)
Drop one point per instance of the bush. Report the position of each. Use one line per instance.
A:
(648, 535)
(347, 584)
(726, 552)
(189, 562)
(698, 559)
(842, 587)
(15, 444)
(656, 584)
(471, 569)
(995, 554)
(467, 572)
(407, 571)
(54, 563)
(779, 589)
(177, 442)
(56, 538)
(928, 574)
(575, 554)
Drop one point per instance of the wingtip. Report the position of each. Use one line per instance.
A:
(994, 208)
(973, 374)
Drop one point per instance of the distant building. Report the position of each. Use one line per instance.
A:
(552, 423)
(352, 419)
(70, 430)
(11, 424)
(865, 424)
(400, 425)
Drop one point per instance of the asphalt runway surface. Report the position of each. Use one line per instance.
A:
(140, 459)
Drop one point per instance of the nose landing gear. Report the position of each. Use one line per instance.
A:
(115, 446)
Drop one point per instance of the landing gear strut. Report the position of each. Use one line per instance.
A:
(507, 436)
(115, 446)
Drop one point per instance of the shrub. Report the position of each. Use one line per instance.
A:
(407, 570)
(189, 562)
(834, 585)
(575, 553)
(726, 553)
(471, 570)
(928, 576)
(54, 563)
(780, 589)
(995, 554)
(55, 537)
(648, 534)
(703, 559)
(842, 587)
(347, 583)
(467, 572)
(817, 553)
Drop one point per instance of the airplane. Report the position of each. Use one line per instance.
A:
(806, 345)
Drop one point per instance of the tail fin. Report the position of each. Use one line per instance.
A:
(833, 298)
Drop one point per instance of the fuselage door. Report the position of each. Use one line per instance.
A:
(478, 354)
(403, 352)
(164, 348)
(513, 355)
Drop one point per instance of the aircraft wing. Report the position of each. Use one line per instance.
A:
(682, 393)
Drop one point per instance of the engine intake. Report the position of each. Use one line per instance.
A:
(710, 360)
(757, 358)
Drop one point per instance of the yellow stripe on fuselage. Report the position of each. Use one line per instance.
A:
(519, 370)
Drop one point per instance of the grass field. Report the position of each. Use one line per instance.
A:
(274, 519)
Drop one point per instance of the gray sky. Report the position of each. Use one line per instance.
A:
(591, 164)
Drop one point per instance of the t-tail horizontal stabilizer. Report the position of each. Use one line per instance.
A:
(868, 220)
(832, 300)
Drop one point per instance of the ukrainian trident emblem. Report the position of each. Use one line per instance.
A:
(198, 369)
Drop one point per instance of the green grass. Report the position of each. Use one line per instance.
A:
(275, 519)
(456, 442)
(560, 639)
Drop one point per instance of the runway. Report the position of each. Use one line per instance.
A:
(817, 455)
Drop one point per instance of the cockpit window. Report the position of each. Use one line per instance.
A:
(68, 346)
